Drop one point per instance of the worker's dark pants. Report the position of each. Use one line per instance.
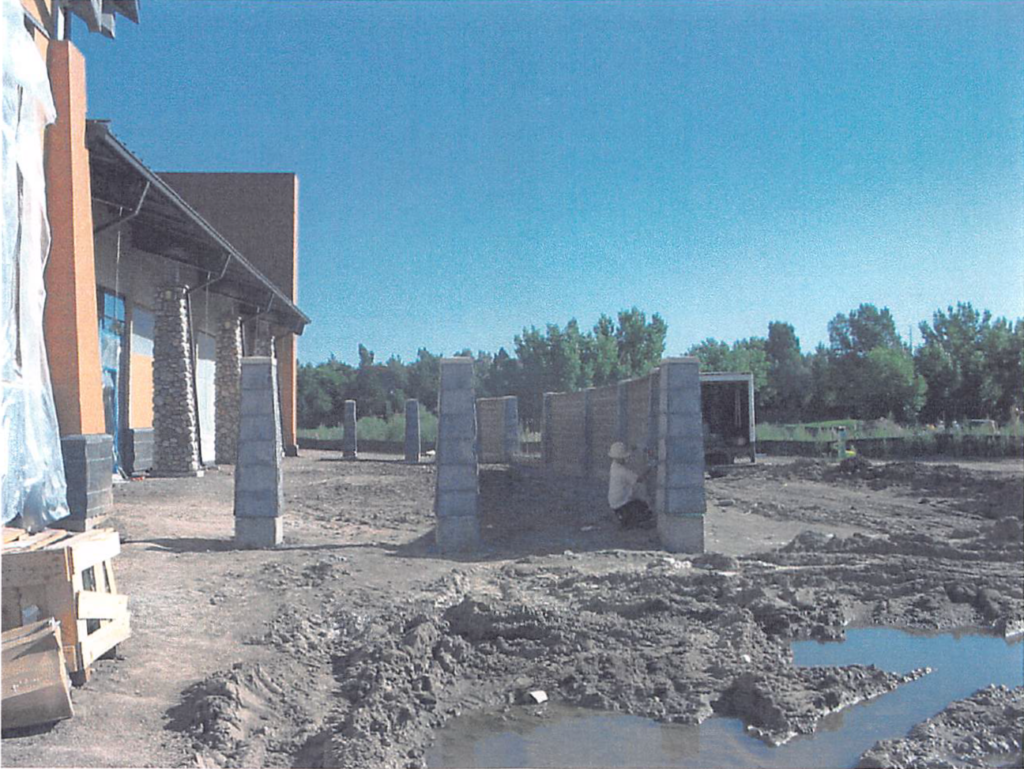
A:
(635, 514)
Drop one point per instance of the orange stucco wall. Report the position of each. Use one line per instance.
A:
(287, 384)
(70, 322)
(140, 409)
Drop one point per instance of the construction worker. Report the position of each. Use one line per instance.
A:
(626, 491)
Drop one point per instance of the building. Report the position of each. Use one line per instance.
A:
(157, 284)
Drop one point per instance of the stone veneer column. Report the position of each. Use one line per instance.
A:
(510, 438)
(259, 498)
(679, 498)
(350, 439)
(175, 433)
(457, 493)
(227, 387)
(412, 430)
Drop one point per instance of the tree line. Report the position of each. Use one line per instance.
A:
(967, 365)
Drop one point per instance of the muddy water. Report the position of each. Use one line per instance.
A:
(562, 736)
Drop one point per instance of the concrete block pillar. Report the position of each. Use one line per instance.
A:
(259, 497)
(175, 429)
(412, 430)
(350, 440)
(456, 497)
(679, 495)
(510, 431)
(227, 388)
(546, 432)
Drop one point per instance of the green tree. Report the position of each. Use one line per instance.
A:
(712, 354)
(641, 343)
(869, 367)
(424, 379)
(789, 374)
(862, 330)
(973, 365)
(888, 386)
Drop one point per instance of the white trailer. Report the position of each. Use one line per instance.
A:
(727, 405)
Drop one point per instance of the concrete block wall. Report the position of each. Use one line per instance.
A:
(660, 417)
(259, 491)
(457, 491)
(497, 428)
(604, 428)
(564, 433)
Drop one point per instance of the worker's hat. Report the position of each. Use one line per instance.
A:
(618, 450)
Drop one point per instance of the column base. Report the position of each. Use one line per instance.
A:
(349, 455)
(291, 450)
(459, 533)
(88, 469)
(177, 473)
(258, 532)
(681, 534)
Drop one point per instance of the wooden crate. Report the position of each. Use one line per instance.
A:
(71, 578)
(35, 677)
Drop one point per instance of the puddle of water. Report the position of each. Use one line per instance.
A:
(569, 736)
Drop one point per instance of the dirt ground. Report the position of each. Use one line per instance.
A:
(355, 641)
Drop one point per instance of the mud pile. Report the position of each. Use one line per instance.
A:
(649, 641)
(910, 580)
(981, 731)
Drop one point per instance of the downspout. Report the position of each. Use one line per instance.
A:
(126, 217)
(192, 346)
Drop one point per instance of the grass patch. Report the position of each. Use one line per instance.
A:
(817, 432)
(377, 429)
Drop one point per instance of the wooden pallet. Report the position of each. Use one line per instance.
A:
(70, 577)
(35, 678)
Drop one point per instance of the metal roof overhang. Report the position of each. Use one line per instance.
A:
(164, 224)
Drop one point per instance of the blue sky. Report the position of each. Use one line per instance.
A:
(468, 169)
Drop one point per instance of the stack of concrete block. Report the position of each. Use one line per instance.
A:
(679, 496)
(412, 430)
(259, 498)
(456, 500)
(350, 441)
(88, 468)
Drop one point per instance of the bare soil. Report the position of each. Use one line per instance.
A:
(355, 641)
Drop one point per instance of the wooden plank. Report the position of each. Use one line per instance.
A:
(11, 534)
(35, 568)
(94, 605)
(92, 547)
(15, 636)
(35, 541)
(108, 572)
(104, 639)
(35, 687)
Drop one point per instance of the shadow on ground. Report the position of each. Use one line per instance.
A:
(524, 511)
(200, 545)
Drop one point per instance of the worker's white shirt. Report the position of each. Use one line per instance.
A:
(621, 481)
